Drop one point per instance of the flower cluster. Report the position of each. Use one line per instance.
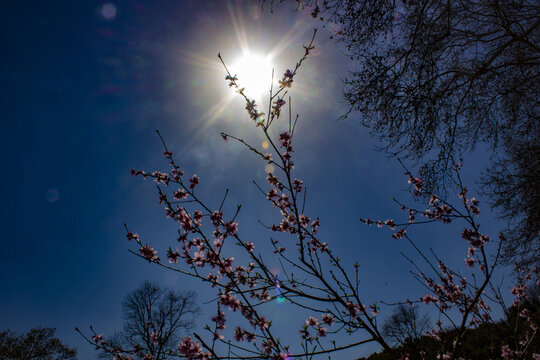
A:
(276, 107)
(314, 323)
(254, 114)
(418, 184)
(191, 350)
(148, 253)
(287, 80)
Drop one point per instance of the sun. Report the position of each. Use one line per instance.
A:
(254, 73)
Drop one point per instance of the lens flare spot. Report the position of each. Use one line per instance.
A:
(52, 195)
(108, 11)
(269, 168)
(280, 300)
(265, 144)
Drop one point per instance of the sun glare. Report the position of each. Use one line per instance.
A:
(254, 74)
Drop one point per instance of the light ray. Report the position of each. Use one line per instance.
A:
(236, 33)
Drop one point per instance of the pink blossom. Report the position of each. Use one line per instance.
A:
(518, 290)
(148, 253)
(418, 184)
(285, 140)
(249, 246)
(287, 80)
(427, 299)
(304, 220)
(231, 227)
(351, 308)
(230, 300)
(506, 352)
(197, 216)
(216, 217)
(315, 225)
(321, 331)
(272, 180)
(297, 185)
(239, 334)
(311, 321)
(167, 154)
(198, 258)
(193, 181)
(272, 193)
(390, 223)
(160, 177)
(263, 323)
(232, 80)
(173, 255)
(219, 319)
(267, 346)
(131, 236)
(180, 194)
(399, 234)
(276, 108)
(212, 278)
(327, 319)
(191, 350)
(97, 338)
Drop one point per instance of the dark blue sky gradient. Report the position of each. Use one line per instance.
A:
(81, 97)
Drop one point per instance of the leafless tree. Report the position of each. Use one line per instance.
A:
(436, 78)
(39, 344)
(154, 320)
(405, 325)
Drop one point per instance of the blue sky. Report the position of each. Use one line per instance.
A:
(86, 83)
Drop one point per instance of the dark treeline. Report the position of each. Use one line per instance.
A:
(480, 343)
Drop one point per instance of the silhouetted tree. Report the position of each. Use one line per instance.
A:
(405, 325)
(154, 319)
(435, 78)
(512, 184)
(39, 343)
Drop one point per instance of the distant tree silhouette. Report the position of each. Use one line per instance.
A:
(405, 325)
(39, 343)
(435, 78)
(154, 319)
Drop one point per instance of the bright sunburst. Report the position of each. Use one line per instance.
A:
(249, 51)
(254, 73)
